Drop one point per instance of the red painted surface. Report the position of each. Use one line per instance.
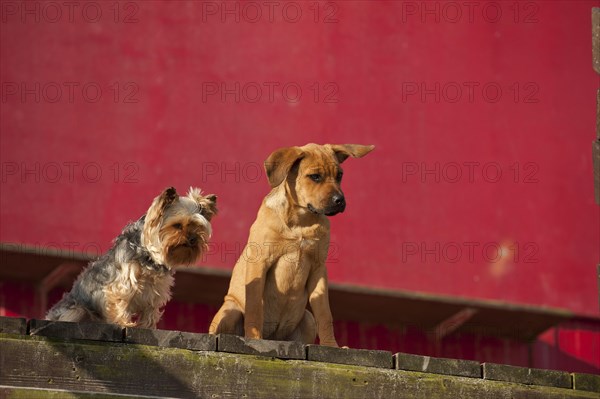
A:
(74, 171)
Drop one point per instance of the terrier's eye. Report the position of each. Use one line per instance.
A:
(178, 226)
(316, 177)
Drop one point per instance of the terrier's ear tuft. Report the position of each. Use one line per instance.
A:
(156, 211)
(206, 203)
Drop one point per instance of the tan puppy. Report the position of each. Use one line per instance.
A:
(283, 265)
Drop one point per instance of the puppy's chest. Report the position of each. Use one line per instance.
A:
(301, 251)
(309, 239)
(289, 276)
(292, 270)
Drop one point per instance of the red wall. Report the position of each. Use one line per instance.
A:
(453, 178)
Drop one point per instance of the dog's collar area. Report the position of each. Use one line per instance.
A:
(324, 212)
(162, 269)
(148, 263)
(314, 210)
(332, 213)
(142, 255)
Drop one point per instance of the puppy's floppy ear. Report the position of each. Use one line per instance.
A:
(160, 203)
(280, 162)
(206, 203)
(343, 151)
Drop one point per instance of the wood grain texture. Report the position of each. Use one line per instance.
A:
(37, 362)
(463, 368)
(36, 393)
(261, 347)
(13, 325)
(524, 375)
(172, 339)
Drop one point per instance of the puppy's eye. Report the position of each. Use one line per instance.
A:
(178, 226)
(339, 176)
(315, 177)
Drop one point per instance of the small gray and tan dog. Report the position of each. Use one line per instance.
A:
(131, 283)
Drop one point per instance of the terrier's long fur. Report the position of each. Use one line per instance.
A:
(131, 283)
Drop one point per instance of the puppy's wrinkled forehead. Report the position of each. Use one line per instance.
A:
(320, 159)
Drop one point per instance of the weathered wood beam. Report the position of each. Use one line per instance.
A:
(131, 369)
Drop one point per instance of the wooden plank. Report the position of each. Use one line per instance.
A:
(13, 325)
(524, 375)
(463, 368)
(34, 263)
(453, 323)
(90, 366)
(586, 382)
(261, 347)
(357, 357)
(70, 330)
(173, 339)
(36, 393)
(427, 311)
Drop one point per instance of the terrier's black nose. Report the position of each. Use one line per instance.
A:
(192, 240)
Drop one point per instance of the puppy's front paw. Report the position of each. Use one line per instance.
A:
(330, 343)
(253, 333)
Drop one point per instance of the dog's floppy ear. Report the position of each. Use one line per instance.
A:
(280, 162)
(343, 151)
(206, 203)
(160, 203)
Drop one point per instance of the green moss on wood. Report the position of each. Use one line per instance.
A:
(146, 370)
(29, 393)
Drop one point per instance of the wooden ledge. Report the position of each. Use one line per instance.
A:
(90, 357)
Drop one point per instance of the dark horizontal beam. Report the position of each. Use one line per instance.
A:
(160, 370)
(348, 302)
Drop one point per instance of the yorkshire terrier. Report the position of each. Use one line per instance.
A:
(131, 283)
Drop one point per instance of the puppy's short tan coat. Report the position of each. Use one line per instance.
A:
(283, 264)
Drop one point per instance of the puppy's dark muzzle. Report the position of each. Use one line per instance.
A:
(338, 205)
